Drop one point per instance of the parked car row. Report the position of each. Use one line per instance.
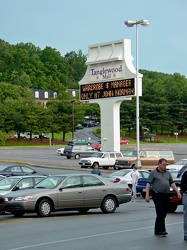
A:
(27, 135)
(97, 146)
(79, 192)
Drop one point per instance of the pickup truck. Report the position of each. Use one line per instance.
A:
(26, 135)
(102, 159)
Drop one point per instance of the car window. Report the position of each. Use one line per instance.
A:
(143, 154)
(16, 169)
(72, 182)
(25, 183)
(118, 155)
(50, 182)
(165, 154)
(90, 181)
(27, 170)
(145, 174)
(112, 155)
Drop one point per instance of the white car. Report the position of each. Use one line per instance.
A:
(177, 165)
(125, 176)
(60, 151)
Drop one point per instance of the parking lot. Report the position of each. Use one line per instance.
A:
(130, 227)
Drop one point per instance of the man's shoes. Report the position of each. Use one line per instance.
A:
(163, 234)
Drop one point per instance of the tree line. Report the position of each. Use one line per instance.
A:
(24, 67)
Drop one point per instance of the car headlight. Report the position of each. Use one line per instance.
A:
(23, 198)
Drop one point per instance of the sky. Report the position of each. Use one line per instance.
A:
(73, 25)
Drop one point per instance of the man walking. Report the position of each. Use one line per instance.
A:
(135, 176)
(161, 180)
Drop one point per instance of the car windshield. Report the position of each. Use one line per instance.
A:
(121, 172)
(174, 174)
(97, 155)
(181, 162)
(50, 182)
(130, 153)
(3, 167)
(7, 183)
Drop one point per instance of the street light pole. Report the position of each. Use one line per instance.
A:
(73, 117)
(131, 24)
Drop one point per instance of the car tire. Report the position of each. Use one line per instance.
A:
(83, 210)
(171, 208)
(115, 167)
(68, 157)
(18, 213)
(77, 156)
(108, 205)
(105, 167)
(44, 208)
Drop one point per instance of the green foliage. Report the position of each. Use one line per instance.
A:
(24, 67)
(3, 137)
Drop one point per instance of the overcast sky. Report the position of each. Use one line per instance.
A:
(72, 25)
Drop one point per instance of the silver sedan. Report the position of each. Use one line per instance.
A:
(68, 192)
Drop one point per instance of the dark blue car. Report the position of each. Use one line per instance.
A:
(174, 201)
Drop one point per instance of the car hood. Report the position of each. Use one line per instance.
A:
(31, 191)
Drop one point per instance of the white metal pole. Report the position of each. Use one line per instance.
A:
(138, 162)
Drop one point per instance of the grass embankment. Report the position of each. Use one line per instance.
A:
(163, 139)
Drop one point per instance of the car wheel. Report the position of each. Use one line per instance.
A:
(77, 156)
(115, 167)
(105, 167)
(83, 210)
(171, 208)
(44, 208)
(68, 157)
(108, 205)
(18, 213)
(143, 194)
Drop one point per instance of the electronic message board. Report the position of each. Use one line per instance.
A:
(107, 89)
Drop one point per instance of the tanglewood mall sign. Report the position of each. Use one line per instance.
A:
(107, 89)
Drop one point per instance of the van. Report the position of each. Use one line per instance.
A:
(77, 151)
(148, 157)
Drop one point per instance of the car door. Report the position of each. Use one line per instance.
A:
(94, 191)
(70, 194)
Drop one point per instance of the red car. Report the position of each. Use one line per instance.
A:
(97, 147)
(122, 142)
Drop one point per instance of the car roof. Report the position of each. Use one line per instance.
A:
(25, 176)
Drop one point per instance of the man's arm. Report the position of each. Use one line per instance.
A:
(147, 197)
(173, 185)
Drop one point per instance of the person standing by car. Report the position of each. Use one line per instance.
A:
(96, 170)
(135, 176)
(161, 180)
(184, 202)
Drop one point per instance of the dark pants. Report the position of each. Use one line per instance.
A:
(161, 203)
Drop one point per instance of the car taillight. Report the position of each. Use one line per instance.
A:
(117, 180)
(175, 198)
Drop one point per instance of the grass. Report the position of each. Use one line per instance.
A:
(165, 139)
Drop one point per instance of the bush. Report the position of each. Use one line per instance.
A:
(3, 137)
